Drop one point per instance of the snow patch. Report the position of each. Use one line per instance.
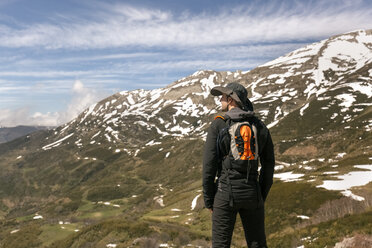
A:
(96, 134)
(130, 100)
(350, 194)
(159, 200)
(152, 143)
(364, 88)
(349, 180)
(341, 155)
(289, 176)
(194, 201)
(304, 217)
(272, 124)
(303, 109)
(176, 210)
(88, 112)
(347, 101)
(330, 172)
(334, 116)
(207, 84)
(56, 143)
(37, 217)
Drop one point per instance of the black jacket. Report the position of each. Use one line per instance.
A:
(212, 166)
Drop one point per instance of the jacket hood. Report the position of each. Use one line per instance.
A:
(238, 113)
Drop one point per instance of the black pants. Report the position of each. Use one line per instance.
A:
(224, 217)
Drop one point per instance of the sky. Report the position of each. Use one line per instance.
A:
(59, 57)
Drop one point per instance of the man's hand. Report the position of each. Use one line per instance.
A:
(210, 210)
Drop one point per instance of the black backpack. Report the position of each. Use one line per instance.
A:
(237, 144)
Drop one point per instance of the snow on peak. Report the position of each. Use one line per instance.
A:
(354, 46)
(298, 56)
(346, 52)
(197, 73)
(174, 110)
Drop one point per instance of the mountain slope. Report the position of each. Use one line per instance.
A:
(137, 156)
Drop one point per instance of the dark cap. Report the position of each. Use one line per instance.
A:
(237, 92)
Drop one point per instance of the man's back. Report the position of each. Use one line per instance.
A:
(239, 187)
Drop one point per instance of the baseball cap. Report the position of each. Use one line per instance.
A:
(237, 92)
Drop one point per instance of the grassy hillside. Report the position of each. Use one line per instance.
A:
(146, 199)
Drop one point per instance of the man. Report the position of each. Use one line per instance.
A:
(236, 190)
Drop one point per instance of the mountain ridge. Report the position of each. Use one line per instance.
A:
(10, 133)
(141, 103)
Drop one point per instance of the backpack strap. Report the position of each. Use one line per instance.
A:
(256, 150)
(228, 121)
(227, 173)
(218, 139)
(226, 118)
(219, 116)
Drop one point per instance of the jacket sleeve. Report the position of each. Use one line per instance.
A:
(210, 163)
(267, 160)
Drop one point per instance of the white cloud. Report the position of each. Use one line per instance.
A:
(211, 64)
(78, 87)
(65, 59)
(130, 26)
(7, 89)
(48, 119)
(139, 14)
(46, 74)
(22, 116)
(81, 99)
(210, 57)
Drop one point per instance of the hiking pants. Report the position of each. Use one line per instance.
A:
(224, 217)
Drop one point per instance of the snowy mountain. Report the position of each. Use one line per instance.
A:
(340, 62)
(137, 154)
(334, 74)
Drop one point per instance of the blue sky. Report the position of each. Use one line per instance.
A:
(58, 57)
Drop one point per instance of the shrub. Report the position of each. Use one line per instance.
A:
(27, 236)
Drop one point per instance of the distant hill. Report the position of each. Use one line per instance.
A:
(127, 171)
(10, 133)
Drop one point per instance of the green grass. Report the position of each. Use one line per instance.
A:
(120, 229)
(52, 233)
(326, 234)
(98, 211)
(25, 218)
(27, 236)
(287, 200)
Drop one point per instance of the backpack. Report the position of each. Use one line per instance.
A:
(237, 145)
